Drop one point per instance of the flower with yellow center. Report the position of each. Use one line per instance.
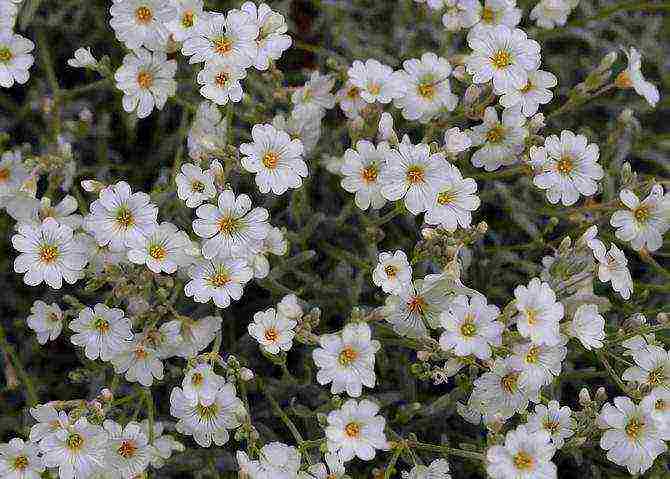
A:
(48, 253)
(533, 355)
(417, 304)
(523, 461)
(551, 426)
(509, 382)
(207, 413)
(634, 428)
(468, 328)
(656, 376)
(145, 79)
(101, 325)
(270, 159)
(495, 134)
(197, 379)
(347, 356)
(127, 449)
(6, 54)
(228, 225)
(221, 79)
(374, 88)
(427, 90)
(415, 174)
(74, 442)
(353, 93)
(488, 15)
(271, 334)
(390, 270)
(220, 279)
(501, 59)
(158, 252)
(144, 15)
(124, 217)
(565, 165)
(188, 19)
(642, 214)
(352, 430)
(369, 174)
(197, 186)
(21, 462)
(222, 45)
(446, 197)
(5, 174)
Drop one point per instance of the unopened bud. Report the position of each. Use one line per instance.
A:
(584, 397)
(423, 355)
(92, 186)
(472, 94)
(536, 123)
(663, 318)
(607, 61)
(106, 395)
(459, 73)
(601, 394)
(246, 374)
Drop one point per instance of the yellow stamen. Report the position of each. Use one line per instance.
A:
(48, 254)
(523, 461)
(415, 174)
(157, 252)
(369, 174)
(352, 429)
(144, 15)
(270, 160)
(501, 59)
(347, 356)
(127, 449)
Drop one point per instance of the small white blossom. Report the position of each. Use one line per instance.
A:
(588, 326)
(274, 243)
(375, 81)
(162, 249)
(140, 362)
(461, 14)
(500, 392)
(456, 141)
(632, 77)
(355, 430)
(500, 141)
(15, 58)
(454, 200)
(551, 13)
(538, 364)
(539, 312)
(46, 320)
(350, 100)
(83, 58)
(644, 222)
(533, 94)
(187, 19)
(202, 382)
(272, 40)
(652, 368)
(221, 82)
(128, 452)
(273, 331)
(315, 97)
(101, 331)
(525, 455)
(553, 419)
(219, 279)
(613, 266)
(276, 461)
(13, 174)
(195, 185)
(361, 170)
(20, 460)
(393, 272)
(197, 335)
(438, 469)
(141, 23)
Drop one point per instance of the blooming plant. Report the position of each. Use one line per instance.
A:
(305, 239)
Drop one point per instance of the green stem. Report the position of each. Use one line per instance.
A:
(391, 464)
(24, 377)
(450, 451)
(148, 398)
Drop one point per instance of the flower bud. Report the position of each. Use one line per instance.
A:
(246, 374)
(607, 61)
(92, 186)
(584, 397)
(106, 395)
(536, 123)
(601, 394)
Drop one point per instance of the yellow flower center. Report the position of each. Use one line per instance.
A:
(551, 426)
(416, 304)
(642, 214)
(53, 317)
(415, 174)
(353, 93)
(523, 461)
(565, 165)
(188, 19)
(427, 90)
(74, 442)
(228, 225)
(369, 174)
(197, 379)
(656, 376)
(5, 174)
(501, 59)
(468, 329)
(527, 88)
(6, 55)
(220, 279)
(347, 356)
(508, 382)
(221, 79)
(271, 335)
(487, 15)
(533, 355)
(623, 80)
(20, 462)
(127, 449)
(374, 88)
(531, 316)
(445, 197)
(390, 271)
(352, 429)
(101, 324)
(634, 428)
(495, 134)
(223, 45)
(659, 405)
(140, 353)
(145, 79)
(143, 14)
(48, 254)
(124, 218)
(270, 159)
(198, 186)
(207, 412)
(157, 252)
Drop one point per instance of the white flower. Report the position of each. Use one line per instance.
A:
(355, 430)
(141, 23)
(272, 40)
(276, 461)
(119, 215)
(533, 94)
(551, 13)
(503, 55)
(315, 97)
(12, 174)
(46, 320)
(332, 469)
(500, 391)
(501, 142)
(658, 402)
(184, 24)
(221, 81)
(163, 444)
(438, 469)
(231, 227)
(208, 133)
(456, 141)
(347, 359)
(101, 331)
(102, 257)
(453, 200)
(393, 272)
(613, 266)
(128, 451)
(50, 253)
(289, 307)
(426, 86)
(632, 438)
(538, 364)
(220, 279)
(652, 368)
(301, 125)
(567, 167)
(350, 100)
(274, 243)
(83, 58)
(49, 421)
(553, 419)
(645, 222)
(275, 159)
(202, 382)
(9, 11)
(20, 460)
(164, 339)
(15, 58)
(273, 331)
(525, 455)
(361, 170)
(412, 172)
(376, 82)
(207, 423)
(632, 77)
(471, 327)
(230, 38)
(588, 326)
(495, 12)
(162, 249)
(197, 335)
(539, 312)
(461, 14)
(140, 362)
(195, 185)
(34, 211)
(77, 451)
(147, 80)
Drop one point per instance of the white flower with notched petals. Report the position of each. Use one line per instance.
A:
(393, 272)
(275, 461)
(658, 402)
(471, 327)
(272, 40)
(162, 249)
(101, 331)
(35, 212)
(350, 100)
(184, 24)
(613, 266)
(119, 215)
(539, 312)
(315, 96)
(652, 368)
(500, 141)
(197, 335)
(456, 141)
(49, 421)
(495, 12)
(230, 38)
(219, 279)
(412, 173)
(355, 430)
(438, 469)
(83, 58)
(12, 175)
(221, 82)
(20, 460)
(301, 125)
(376, 82)
(632, 438)
(332, 469)
(525, 455)
(290, 308)
(146, 80)
(274, 243)
(50, 253)
(78, 451)
(141, 23)
(502, 55)
(588, 326)
(128, 452)
(275, 159)
(140, 362)
(361, 170)
(538, 364)
(500, 392)
(553, 419)
(427, 89)
(273, 331)
(231, 227)
(533, 94)
(211, 422)
(164, 339)
(461, 14)
(208, 133)
(567, 167)
(46, 320)
(632, 77)
(454, 200)
(163, 444)
(551, 13)
(347, 359)
(15, 58)
(195, 185)
(644, 222)
(202, 382)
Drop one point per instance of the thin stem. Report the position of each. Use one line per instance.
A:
(450, 451)
(613, 374)
(8, 349)
(148, 398)
(391, 464)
